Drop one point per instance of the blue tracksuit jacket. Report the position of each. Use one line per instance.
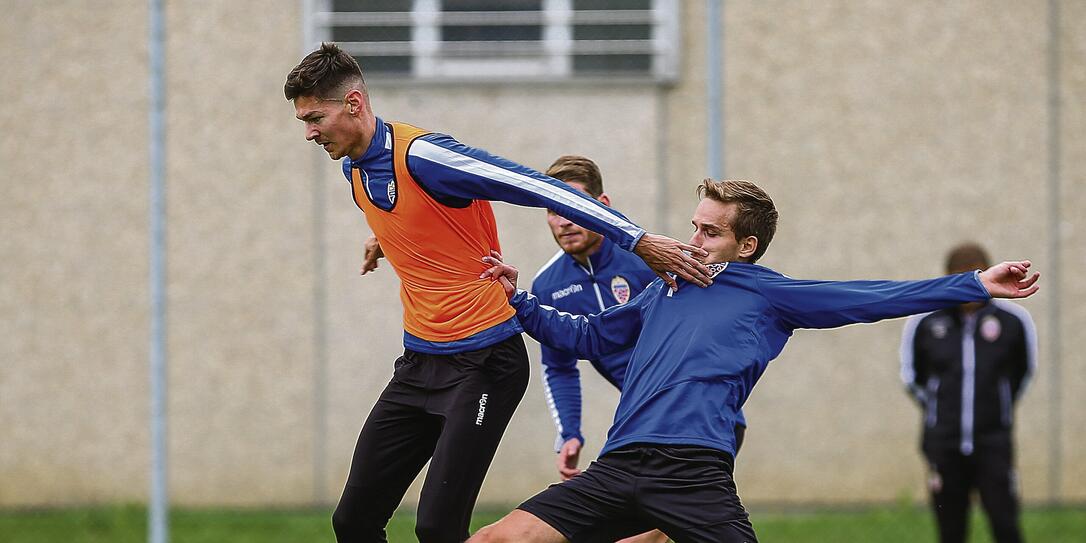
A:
(454, 174)
(697, 353)
(612, 277)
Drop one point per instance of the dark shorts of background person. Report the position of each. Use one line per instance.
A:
(989, 470)
(453, 408)
(686, 492)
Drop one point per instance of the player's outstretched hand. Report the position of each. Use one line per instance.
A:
(568, 457)
(501, 272)
(372, 253)
(1010, 280)
(664, 255)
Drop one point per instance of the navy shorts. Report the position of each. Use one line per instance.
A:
(686, 492)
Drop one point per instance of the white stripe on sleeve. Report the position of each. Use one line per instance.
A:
(435, 153)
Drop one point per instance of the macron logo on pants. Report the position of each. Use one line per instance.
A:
(482, 411)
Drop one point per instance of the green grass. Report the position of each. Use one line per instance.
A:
(909, 525)
(128, 524)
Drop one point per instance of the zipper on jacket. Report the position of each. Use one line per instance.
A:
(592, 275)
(969, 382)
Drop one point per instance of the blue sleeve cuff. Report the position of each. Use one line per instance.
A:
(562, 439)
(976, 277)
(636, 239)
(518, 299)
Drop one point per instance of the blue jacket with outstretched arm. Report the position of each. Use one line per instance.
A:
(697, 352)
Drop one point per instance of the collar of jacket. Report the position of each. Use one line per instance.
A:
(715, 269)
(959, 316)
(376, 147)
(602, 257)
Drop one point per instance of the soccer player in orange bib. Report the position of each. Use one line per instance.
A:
(464, 368)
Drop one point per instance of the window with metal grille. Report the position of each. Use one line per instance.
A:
(503, 40)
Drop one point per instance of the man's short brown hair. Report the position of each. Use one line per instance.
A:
(578, 169)
(756, 214)
(966, 256)
(328, 72)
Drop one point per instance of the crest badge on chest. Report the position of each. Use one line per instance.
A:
(620, 289)
(939, 328)
(392, 192)
(380, 192)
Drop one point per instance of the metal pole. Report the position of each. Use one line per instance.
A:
(1055, 453)
(158, 516)
(713, 89)
(158, 522)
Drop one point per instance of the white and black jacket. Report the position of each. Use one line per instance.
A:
(967, 371)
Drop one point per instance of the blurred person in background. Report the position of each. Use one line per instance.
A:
(464, 369)
(967, 366)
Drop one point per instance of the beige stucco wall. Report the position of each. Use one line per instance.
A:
(74, 388)
(1072, 236)
(885, 133)
(241, 260)
(73, 252)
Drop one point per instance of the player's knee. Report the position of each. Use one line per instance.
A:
(502, 531)
(436, 531)
(349, 525)
(517, 527)
(488, 534)
(358, 517)
(342, 524)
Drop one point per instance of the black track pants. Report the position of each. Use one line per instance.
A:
(990, 470)
(449, 409)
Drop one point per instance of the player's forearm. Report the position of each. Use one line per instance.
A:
(568, 421)
(904, 298)
(563, 390)
(574, 334)
(831, 304)
(450, 168)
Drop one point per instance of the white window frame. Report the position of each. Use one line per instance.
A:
(549, 59)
